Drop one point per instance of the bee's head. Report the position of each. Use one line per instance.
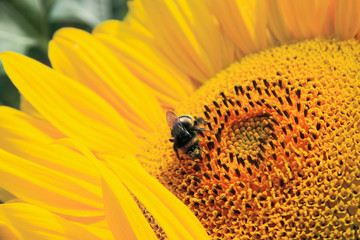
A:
(187, 119)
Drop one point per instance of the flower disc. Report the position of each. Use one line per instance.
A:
(281, 154)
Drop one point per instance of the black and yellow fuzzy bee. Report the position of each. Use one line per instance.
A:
(184, 130)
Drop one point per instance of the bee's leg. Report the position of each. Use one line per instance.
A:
(199, 156)
(199, 120)
(177, 153)
(200, 131)
(195, 151)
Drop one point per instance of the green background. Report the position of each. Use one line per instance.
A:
(26, 27)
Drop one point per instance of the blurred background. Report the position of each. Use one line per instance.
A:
(26, 27)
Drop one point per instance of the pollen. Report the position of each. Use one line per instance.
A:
(280, 157)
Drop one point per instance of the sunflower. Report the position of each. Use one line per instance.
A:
(276, 82)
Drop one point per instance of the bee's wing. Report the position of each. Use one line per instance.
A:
(171, 119)
(174, 124)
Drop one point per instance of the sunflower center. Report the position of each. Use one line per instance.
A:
(246, 139)
(280, 157)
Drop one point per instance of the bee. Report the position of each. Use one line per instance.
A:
(184, 130)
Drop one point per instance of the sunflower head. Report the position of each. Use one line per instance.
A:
(280, 154)
(275, 157)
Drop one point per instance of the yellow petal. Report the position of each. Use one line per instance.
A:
(294, 20)
(50, 175)
(136, 18)
(33, 139)
(71, 107)
(49, 189)
(96, 67)
(244, 22)
(26, 107)
(30, 138)
(277, 24)
(114, 28)
(347, 18)
(5, 196)
(102, 232)
(186, 33)
(146, 62)
(120, 207)
(33, 222)
(13, 121)
(173, 216)
(7, 232)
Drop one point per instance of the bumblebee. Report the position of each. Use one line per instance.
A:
(184, 130)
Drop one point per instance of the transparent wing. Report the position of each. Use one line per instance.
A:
(175, 124)
(171, 119)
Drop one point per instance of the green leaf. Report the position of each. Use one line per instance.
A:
(90, 12)
(16, 33)
(9, 95)
(120, 9)
(34, 11)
